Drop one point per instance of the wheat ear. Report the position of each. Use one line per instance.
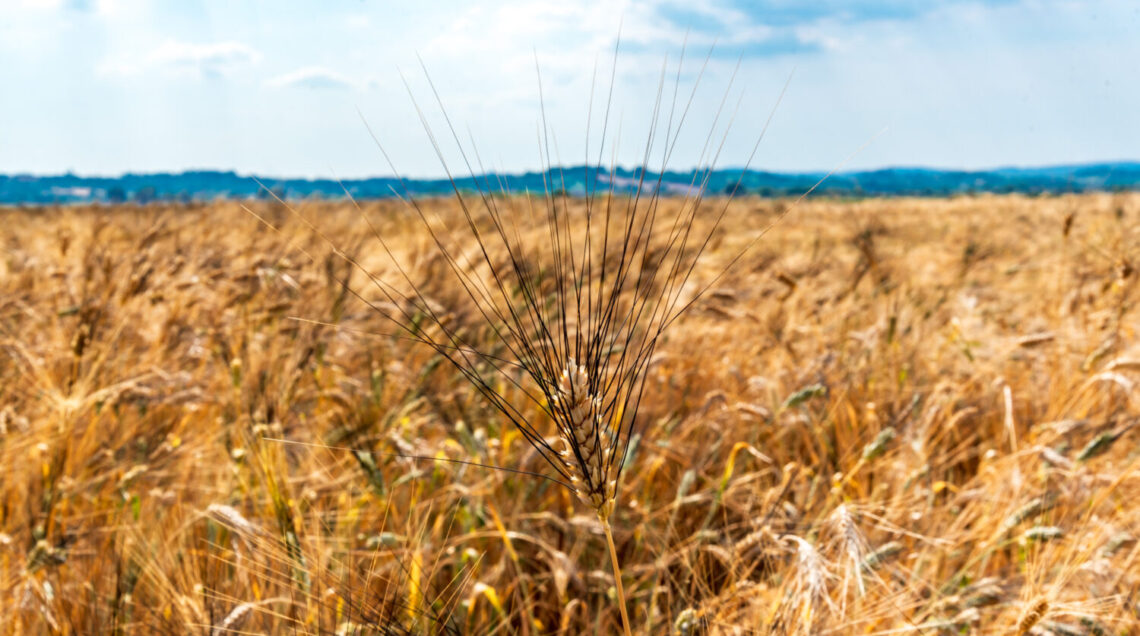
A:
(1032, 616)
(586, 438)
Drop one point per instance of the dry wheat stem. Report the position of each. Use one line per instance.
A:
(617, 577)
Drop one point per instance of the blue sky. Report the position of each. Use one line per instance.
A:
(102, 87)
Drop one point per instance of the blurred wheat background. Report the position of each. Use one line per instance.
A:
(891, 416)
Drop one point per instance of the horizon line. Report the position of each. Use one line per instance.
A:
(629, 168)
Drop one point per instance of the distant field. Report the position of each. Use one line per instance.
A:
(890, 416)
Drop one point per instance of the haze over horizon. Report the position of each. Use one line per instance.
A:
(627, 168)
(105, 87)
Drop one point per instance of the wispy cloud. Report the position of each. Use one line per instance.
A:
(211, 59)
(38, 4)
(779, 13)
(567, 35)
(313, 78)
(767, 28)
(578, 30)
(791, 12)
(53, 5)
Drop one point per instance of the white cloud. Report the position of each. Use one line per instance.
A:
(208, 59)
(313, 78)
(101, 7)
(508, 32)
(39, 4)
(358, 22)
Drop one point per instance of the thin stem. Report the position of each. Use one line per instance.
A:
(617, 577)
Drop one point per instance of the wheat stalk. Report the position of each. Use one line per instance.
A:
(589, 319)
(579, 330)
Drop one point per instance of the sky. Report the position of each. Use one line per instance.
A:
(298, 89)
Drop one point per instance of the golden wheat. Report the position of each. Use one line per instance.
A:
(144, 488)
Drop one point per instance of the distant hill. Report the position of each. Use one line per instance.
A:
(202, 185)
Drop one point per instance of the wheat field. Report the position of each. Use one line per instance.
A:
(904, 416)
